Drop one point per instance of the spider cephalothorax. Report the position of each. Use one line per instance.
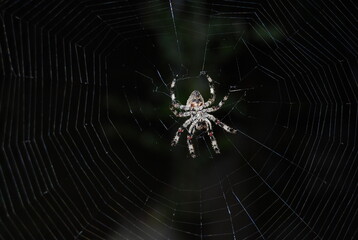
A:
(198, 110)
(195, 99)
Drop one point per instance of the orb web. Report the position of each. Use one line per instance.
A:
(86, 124)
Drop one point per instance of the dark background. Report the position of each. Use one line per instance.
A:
(86, 125)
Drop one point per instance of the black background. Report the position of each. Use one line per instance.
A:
(86, 125)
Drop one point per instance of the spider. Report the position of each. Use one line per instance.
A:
(199, 112)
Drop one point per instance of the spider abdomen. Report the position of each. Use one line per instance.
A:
(201, 126)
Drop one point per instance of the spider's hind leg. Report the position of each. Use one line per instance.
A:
(180, 131)
(214, 144)
(213, 141)
(177, 136)
(191, 146)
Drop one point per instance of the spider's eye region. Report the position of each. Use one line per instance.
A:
(196, 104)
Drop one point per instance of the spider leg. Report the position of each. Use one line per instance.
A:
(189, 141)
(179, 132)
(222, 102)
(190, 145)
(213, 141)
(222, 125)
(192, 130)
(212, 89)
(175, 102)
(179, 114)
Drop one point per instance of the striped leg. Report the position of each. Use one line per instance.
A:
(179, 114)
(175, 102)
(213, 141)
(189, 141)
(177, 105)
(212, 89)
(190, 145)
(214, 144)
(221, 103)
(222, 125)
(172, 89)
(179, 132)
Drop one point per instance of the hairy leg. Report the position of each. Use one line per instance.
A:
(213, 141)
(226, 127)
(211, 87)
(179, 132)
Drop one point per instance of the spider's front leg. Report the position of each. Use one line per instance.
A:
(222, 102)
(211, 88)
(175, 102)
(222, 125)
(217, 107)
